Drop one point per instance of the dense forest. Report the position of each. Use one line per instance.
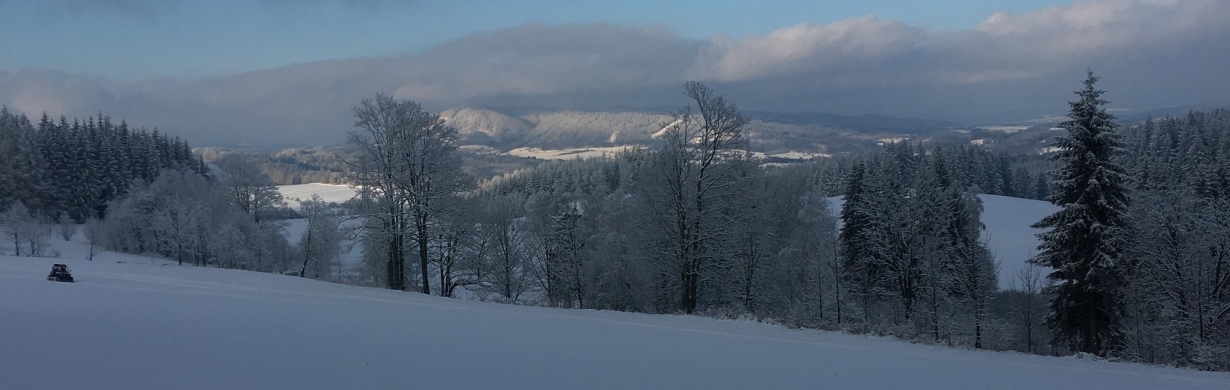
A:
(74, 169)
(1134, 266)
(288, 166)
(134, 190)
(1171, 300)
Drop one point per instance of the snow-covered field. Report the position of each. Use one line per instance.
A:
(148, 324)
(568, 154)
(607, 151)
(1049, 150)
(1008, 232)
(795, 155)
(1005, 129)
(298, 193)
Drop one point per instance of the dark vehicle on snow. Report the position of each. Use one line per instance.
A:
(60, 273)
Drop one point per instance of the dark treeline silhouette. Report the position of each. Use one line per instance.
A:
(61, 168)
(1019, 176)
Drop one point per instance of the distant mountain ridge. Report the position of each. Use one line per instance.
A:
(769, 131)
(554, 128)
(865, 123)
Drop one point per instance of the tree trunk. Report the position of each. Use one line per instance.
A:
(421, 225)
(446, 274)
(1091, 338)
(307, 250)
(397, 261)
(978, 330)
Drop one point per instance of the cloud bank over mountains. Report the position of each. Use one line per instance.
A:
(1152, 53)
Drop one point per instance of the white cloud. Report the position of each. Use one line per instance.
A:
(1152, 52)
(807, 47)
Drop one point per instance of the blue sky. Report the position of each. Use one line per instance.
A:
(135, 39)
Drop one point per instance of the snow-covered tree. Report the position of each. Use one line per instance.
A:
(407, 167)
(1084, 241)
(1178, 293)
(28, 232)
(249, 188)
(321, 243)
(504, 230)
(67, 227)
(188, 218)
(697, 170)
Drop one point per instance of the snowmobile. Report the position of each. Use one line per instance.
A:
(59, 273)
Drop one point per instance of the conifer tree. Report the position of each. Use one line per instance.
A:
(856, 234)
(1083, 240)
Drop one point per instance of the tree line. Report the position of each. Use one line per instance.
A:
(1021, 176)
(1170, 300)
(61, 169)
(135, 191)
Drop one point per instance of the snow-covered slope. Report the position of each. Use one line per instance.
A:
(298, 193)
(1008, 232)
(498, 127)
(594, 128)
(562, 129)
(569, 154)
(160, 326)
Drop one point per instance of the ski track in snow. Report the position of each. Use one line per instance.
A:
(157, 325)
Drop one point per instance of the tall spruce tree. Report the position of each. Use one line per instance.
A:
(857, 233)
(1083, 240)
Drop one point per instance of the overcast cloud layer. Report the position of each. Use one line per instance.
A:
(1151, 53)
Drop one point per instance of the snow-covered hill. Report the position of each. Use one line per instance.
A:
(298, 193)
(1008, 232)
(492, 125)
(554, 129)
(136, 323)
(568, 154)
(771, 132)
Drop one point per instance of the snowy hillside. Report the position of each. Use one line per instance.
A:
(297, 193)
(568, 154)
(1009, 234)
(556, 128)
(496, 126)
(136, 323)
(772, 132)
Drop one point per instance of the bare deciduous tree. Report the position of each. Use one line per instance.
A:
(1029, 306)
(698, 166)
(406, 166)
(249, 188)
